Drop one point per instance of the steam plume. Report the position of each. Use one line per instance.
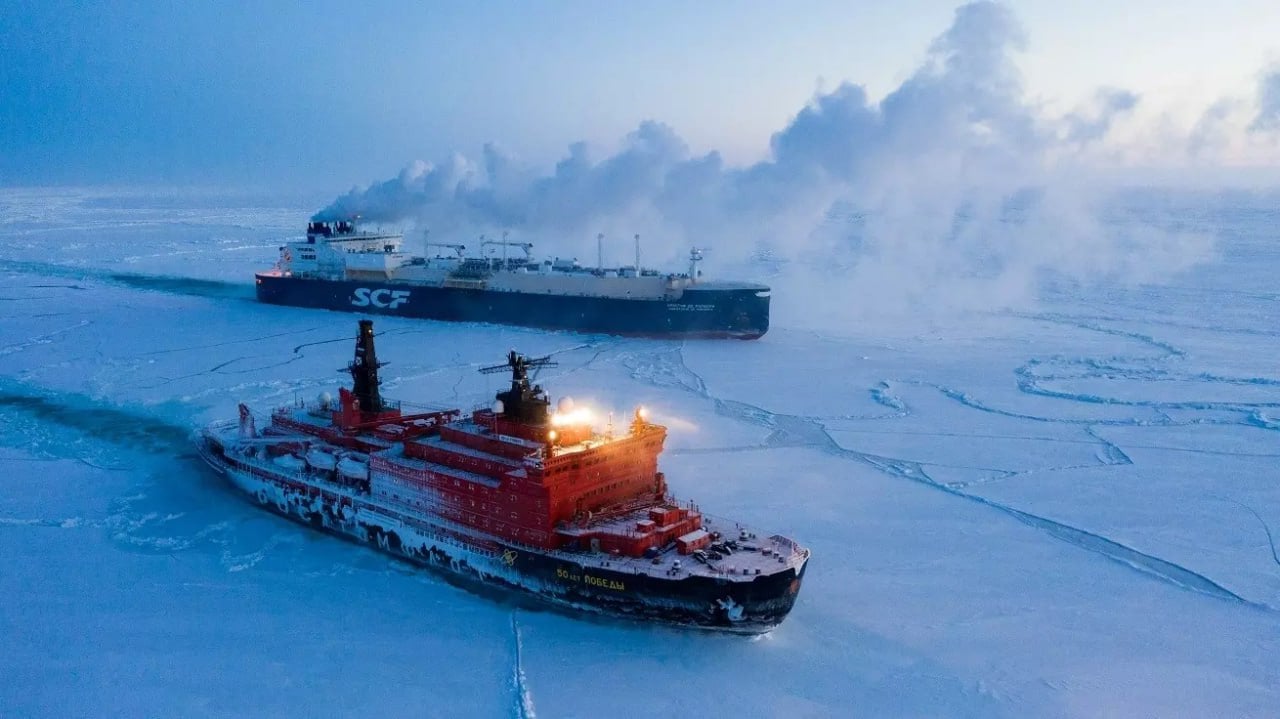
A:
(1268, 117)
(1111, 103)
(945, 193)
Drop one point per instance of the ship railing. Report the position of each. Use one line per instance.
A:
(424, 408)
(788, 544)
(610, 513)
(535, 459)
(267, 470)
(283, 417)
(221, 425)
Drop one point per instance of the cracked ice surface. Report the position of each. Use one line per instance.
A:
(1068, 510)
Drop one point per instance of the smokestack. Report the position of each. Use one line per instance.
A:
(364, 370)
(600, 252)
(637, 255)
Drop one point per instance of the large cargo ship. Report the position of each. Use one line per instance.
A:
(340, 266)
(515, 495)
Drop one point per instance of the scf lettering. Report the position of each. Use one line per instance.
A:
(389, 299)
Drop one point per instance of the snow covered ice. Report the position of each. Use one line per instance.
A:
(1064, 509)
(1021, 405)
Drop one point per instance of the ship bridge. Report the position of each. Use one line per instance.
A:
(348, 231)
(523, 473)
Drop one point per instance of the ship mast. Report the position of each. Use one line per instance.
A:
(523, 402)
(364, 370)
(695, 257)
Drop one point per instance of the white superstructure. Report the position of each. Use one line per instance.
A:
(342, 251)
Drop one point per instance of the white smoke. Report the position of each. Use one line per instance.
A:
(1268, 117)
(949, 193)
(1209, 136)
(1240, 136)
(1108, 106)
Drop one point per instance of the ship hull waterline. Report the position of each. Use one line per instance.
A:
(559, 583)
(713, 313)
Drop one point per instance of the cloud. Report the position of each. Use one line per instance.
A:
(942, 195)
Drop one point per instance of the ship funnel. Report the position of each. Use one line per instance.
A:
(364, 370)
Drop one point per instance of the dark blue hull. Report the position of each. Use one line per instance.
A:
(732, 311)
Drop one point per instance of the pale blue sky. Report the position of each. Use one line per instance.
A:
(331, 93)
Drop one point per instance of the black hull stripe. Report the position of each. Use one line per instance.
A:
(711, 313)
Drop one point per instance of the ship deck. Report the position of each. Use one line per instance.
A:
(469, 426)
(755, 554)
(445, 445)
(726, 286)
(396, 456)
